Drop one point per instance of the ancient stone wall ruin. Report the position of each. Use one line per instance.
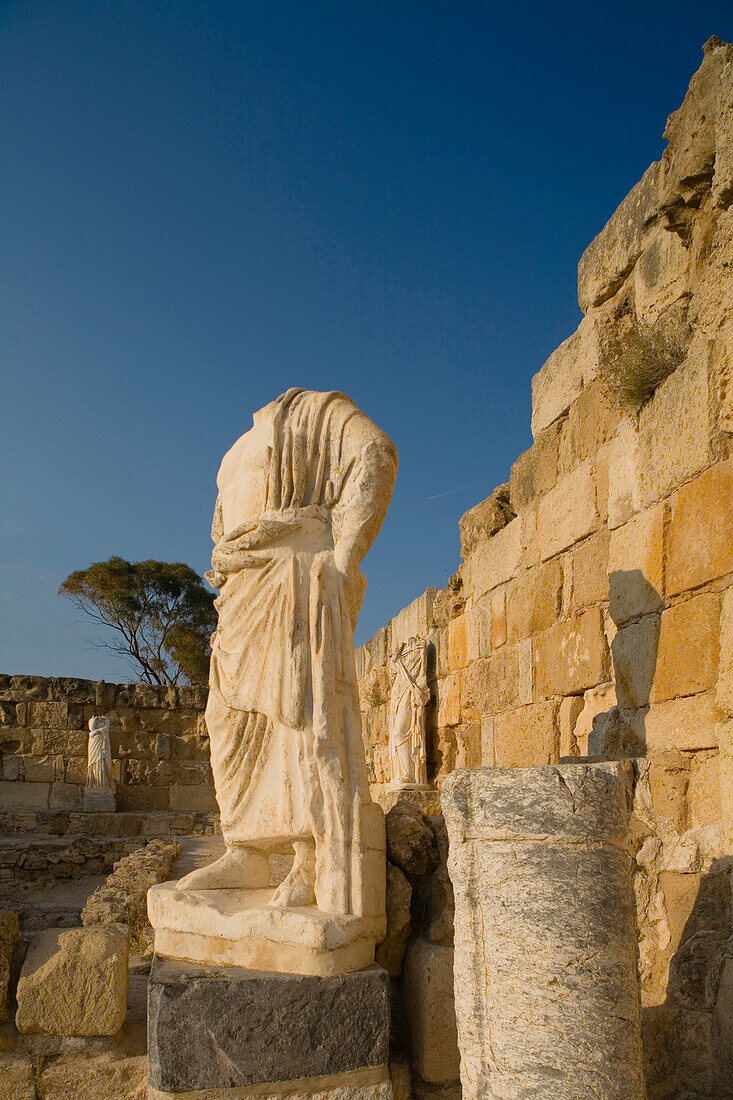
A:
(592, 614)
(160, 747)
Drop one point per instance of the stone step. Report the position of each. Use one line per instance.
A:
(133, 823)
(27, 858)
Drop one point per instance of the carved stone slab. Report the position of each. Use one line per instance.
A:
(239, 928)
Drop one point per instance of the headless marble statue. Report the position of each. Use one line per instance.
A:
(302, 496)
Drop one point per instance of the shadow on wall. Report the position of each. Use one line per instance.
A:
(635, 607)
(688, 1039)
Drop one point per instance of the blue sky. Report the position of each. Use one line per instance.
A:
(207, 202)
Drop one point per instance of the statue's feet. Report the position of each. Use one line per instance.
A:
(299, 886)
(237, 869)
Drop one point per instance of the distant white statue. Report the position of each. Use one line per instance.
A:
(99, 759)
(99, 790)
(408, 699)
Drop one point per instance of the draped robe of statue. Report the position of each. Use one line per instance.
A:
(302, 496)
(408, 698)
(99, 754)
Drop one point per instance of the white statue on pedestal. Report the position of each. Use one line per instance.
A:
(408, 699)
(302, 496)
(99, 793)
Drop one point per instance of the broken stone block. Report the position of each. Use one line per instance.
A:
(485, 519)
(391, 950)
(74, 982)
(610, 257)
(545, 935)
(561, 379)
(411, 843)
(430, 1005)
(535, 471)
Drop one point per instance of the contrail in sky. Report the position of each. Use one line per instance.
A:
(450, 491)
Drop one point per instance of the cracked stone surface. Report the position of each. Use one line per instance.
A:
(547, 996)
(223, 1027)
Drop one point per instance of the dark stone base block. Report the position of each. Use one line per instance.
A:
(223, 1027)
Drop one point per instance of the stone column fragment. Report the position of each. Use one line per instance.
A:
(547, 995)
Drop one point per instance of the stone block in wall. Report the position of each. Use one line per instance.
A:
(569, 711)
(24, 796)
(430, 1006)
(495, 560)
(610, 257)
(588, 565)
(704, 790)
(562, 377)
(533, 601)
(198, 798)
(414, 620)
(55, 715)
(43, 769)
(591, 422)
(58, 742)
(480, 624)
(675, 427)
(571, 656)
(669, 779)
(65, 796)
(449, 700)
(528, 735)
(568, 512)
(491, 685)
(634, 656)
(724, 687)
(700, 545)
(624, 478)
(498, 618)
(458, 642)
(636, 566)
(11, 766)
(687, 724)
(74, 982)
(661, 274)
(535, 471)
(687, 655)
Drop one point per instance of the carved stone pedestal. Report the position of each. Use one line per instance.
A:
(99, 800)
(231, 1033)
(239, 928)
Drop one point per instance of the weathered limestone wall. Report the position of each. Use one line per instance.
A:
(592, 614)
(160, 746)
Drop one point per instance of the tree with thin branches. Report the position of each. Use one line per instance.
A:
(161, 612)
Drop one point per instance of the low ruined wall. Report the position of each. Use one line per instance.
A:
(593, 612)
(160, 747)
